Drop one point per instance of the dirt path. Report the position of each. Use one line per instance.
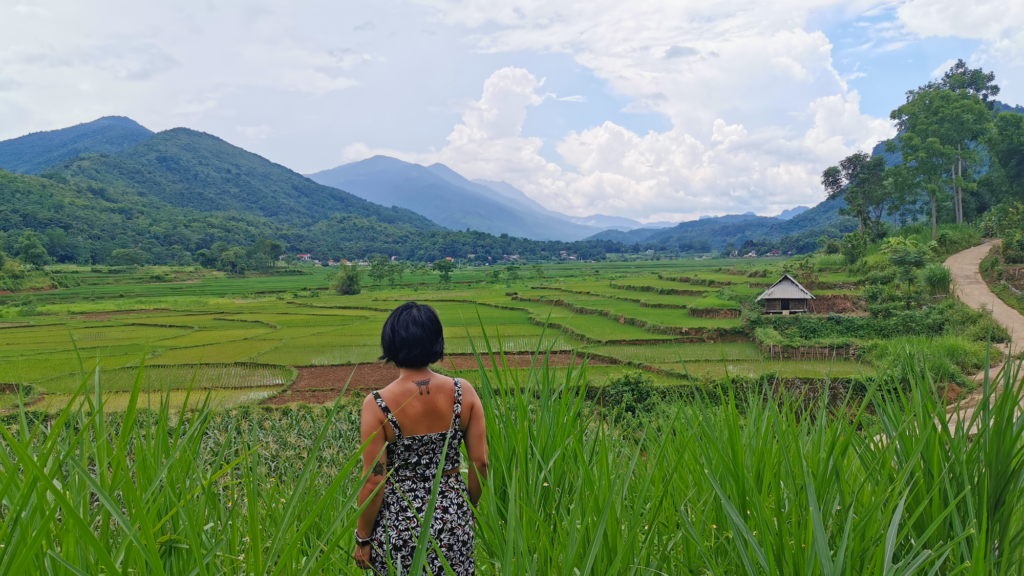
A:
(973, 291)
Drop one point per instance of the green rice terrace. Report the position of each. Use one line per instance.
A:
(288, 337)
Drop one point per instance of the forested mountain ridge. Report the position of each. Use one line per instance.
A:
(192, 169)
(33, 153)
(84, 221)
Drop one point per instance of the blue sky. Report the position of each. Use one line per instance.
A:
(655, 109)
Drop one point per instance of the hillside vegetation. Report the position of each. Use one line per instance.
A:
(33, 153)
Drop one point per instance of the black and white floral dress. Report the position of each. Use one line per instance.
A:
(413, 462)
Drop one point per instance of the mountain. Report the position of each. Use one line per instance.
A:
(610, 222)
(505, 192)
(83, 221)
(787, 214)
(596, 220)
(444, 196)
(712, 234)
(33, 153)
(191, 169)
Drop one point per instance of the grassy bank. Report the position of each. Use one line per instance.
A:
(764, 485)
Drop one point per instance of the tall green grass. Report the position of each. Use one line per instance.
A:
(763, 484)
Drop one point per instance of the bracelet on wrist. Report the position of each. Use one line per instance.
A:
(360, 541)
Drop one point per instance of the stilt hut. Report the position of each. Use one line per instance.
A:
(786, 297)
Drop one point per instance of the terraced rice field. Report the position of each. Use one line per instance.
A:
(246, 347)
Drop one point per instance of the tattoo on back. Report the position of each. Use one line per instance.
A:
(378, 469)
(421, 384)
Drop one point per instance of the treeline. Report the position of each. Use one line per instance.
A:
(956, 156)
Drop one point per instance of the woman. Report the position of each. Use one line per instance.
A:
(415, 415)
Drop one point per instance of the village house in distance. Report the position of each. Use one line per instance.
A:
(786, 297)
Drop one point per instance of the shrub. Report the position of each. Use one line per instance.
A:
(854, 247)
(631, 392)
(12, 270)
(947, 358)
(348, 282)
(937, 279)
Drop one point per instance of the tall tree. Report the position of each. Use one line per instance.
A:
(380, 267)
(859, 179)
(444, 267)
(30, 249)
(956, 110)
(967, 81)
(1005, 144)
(927, 160)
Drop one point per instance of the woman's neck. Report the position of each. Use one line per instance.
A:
(415, 374)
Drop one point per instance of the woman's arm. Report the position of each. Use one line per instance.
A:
(476, 442)
(375, 467)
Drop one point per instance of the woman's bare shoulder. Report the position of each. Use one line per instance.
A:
(468, 391)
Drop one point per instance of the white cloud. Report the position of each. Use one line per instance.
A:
(255, 133)
(165, 64)
(672, 174)
(574, 98)
(943, 68)
(998, 24)
(756, 107)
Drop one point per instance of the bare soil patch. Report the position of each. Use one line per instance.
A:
(323, 384)
(307, 396)
(834, 304)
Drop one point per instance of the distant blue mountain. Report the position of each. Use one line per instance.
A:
(34, 153)
(714, 233)
(787, 214)
(444, 196)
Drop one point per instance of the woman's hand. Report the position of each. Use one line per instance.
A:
(362, 556)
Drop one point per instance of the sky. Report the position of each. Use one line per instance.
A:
(650, 109)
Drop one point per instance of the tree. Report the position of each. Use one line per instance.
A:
(860, 180)
(395, 272)
(30, 249)
(1006, 146)
(854, 246)
(3, 259)
(207, 259)
(380, 268)
(233, 260)
(926, 160)
(511, 274)
(263, 253)
(180, 256)
(128, 257)
(538, 271)
(444, 267)
(966, 81)
(348, 281)
(956, 113)
(907, 256)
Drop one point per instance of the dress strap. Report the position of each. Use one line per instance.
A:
(387, 412)
(457, 410)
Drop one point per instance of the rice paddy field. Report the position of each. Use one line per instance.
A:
(250, 338)
(183, 422)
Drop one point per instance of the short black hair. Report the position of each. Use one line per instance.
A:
(412, 336)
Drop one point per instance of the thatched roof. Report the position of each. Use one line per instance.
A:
(786, 288)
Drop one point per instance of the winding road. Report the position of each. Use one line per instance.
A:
(973, 291)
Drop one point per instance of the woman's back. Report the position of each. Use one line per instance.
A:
(433, 421)
(422, 407)
(406, 428)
